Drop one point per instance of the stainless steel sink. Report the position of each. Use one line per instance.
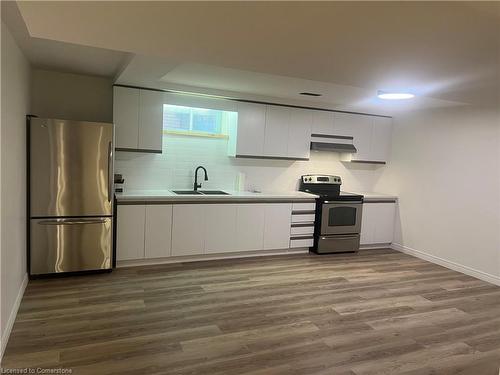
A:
(186, 192)
(213, 192)
(200, 192)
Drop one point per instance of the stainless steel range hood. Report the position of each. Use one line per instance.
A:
(332, 143)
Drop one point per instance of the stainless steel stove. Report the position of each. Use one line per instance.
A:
(338, 214)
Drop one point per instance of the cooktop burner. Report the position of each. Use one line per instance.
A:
(327, 187)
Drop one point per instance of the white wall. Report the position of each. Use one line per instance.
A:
(15, 99)
(181, 154)
(446, 172)
(71, 96)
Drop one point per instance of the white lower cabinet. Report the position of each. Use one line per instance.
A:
(250, 227)
(277, 218)
(220, 228)
(130, 232)
(377, 225)
(158, 231)
(188, 229)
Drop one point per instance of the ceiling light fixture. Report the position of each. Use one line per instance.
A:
(394, 95)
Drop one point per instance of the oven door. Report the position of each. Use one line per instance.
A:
(341, 217)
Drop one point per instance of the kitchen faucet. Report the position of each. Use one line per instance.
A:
(196, 184)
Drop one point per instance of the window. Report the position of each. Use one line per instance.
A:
(196, 121)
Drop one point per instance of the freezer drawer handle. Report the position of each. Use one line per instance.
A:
(343, 202)
(72, 221)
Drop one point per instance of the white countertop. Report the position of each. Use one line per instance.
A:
(168, 195)
(371, 195)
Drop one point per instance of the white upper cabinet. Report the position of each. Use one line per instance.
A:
(360, 128)
(251, 130)
(371, 136)
(150, 120)
(126, 117)
(381, 139)
(271, 131)
(276, 131)
(299, 133)
(322, 122)
(138, 117)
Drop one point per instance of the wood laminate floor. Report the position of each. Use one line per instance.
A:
(376, 312)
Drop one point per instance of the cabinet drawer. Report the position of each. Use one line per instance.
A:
(301, 218)
(308, 242)
(309, 229)
(304, 206)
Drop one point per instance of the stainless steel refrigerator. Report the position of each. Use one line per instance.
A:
(70, 197)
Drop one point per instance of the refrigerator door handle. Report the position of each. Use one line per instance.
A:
(72, 221)
(110, 171)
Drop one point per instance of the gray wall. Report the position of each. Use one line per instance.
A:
(445, 168)
(71, 96)
(15, 105)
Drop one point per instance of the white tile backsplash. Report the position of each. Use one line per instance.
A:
(174, 168)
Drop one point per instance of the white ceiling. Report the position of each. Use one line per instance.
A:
(206, 79)
(61, 56)
(447, 52)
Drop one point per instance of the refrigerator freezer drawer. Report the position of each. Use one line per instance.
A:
(69, 245)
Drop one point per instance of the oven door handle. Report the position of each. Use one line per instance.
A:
(343, 202)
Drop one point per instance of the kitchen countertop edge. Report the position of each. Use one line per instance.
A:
(233, 197)
(373, 197)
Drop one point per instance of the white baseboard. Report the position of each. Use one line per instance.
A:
(12, 316)
(448, 264)
(197, 258)
(375, 246)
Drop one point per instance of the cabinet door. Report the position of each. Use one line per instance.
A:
(381, 139)
(158, 231)
(251, 129)
(368, 220)
(360, 128)
(130, 232)
(250, 227)
(384, 226)
(220, 228)
(377, 225)
(277, 225)
(299, 133)
(188, 229)
(322, 122)
(150, 120)
(126, 117)
(276, 134)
